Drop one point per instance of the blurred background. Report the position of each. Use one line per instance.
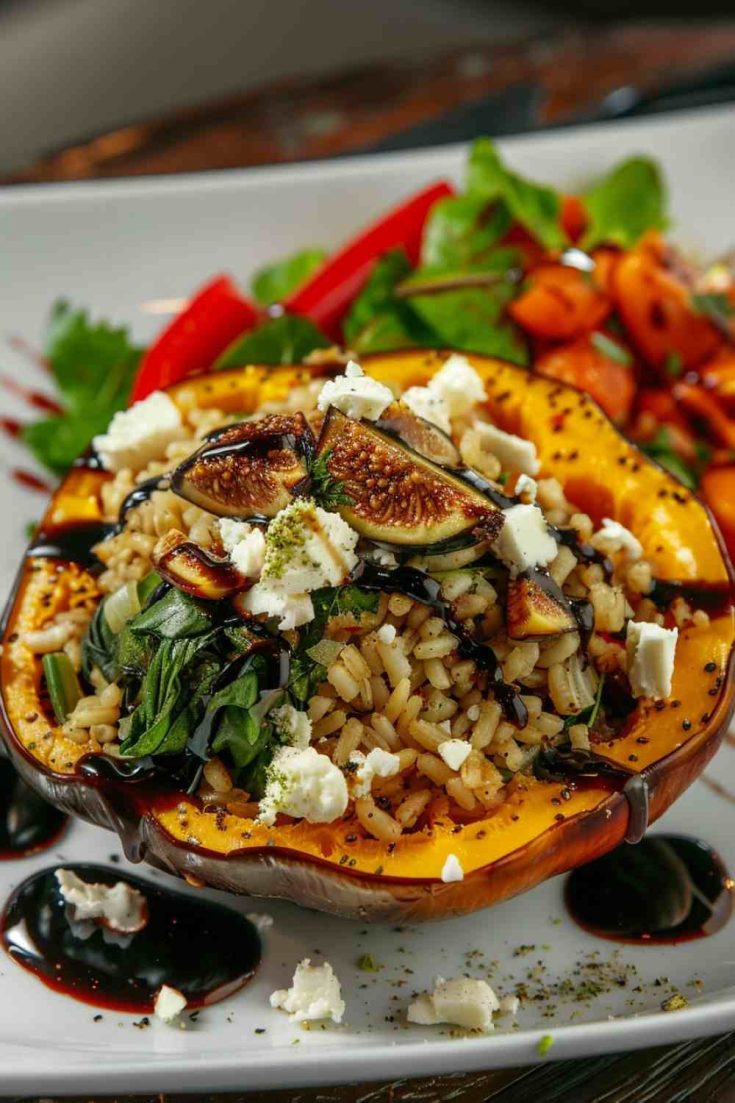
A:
(111, 87)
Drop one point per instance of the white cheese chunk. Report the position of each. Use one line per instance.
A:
(452, 870)
(526, 488)
(650, 652)
(514, 453)
(248, 555)
(120, 907)
(462, 1001)
(169, 1003)
(525, 541)
(382, 557)
(377, 763)
(292, 726)
(262, 921)
(509, 1005)
(292, 610)
(306, 548)
(139, 434)
(429, 405)
(355, 394)
(387, 633)
(458, 385)
(315, 993)
(455, 751)
(613, 537)
(304, 784)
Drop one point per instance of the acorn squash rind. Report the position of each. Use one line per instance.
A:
(308, 865)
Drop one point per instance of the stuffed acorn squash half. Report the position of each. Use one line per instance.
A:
(396, 641)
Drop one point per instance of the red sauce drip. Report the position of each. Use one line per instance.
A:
(205, 950)
(665, 889)
(33, 482)
(27, 823)
(11, 426)
(37, 399)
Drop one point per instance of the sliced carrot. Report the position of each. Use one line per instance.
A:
(573, 217)
(656, 309)
(706, 412)
(587, 366)
(718, 376)
(560, 303)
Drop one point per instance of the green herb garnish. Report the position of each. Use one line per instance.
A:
(327, 491)
(93, 366)
(589, 715)
(367, 963)
(544, 1045)
(610, 348)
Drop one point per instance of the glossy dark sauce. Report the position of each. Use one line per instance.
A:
(714, 597)
(139, 495)
(666, 889)
(73, 543)
(27, 823)
(205, 950)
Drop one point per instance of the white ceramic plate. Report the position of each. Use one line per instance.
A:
(113, 246)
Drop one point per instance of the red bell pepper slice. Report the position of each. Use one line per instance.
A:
(325, 297)
(192, 341)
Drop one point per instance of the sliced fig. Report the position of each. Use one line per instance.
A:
(248, 470)
(190, 568)
(425, 438)
(536, 608)
(390, 494)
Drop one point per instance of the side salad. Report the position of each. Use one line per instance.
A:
(583, 288)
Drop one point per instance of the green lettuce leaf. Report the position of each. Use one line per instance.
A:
(626, 203)
(284, 340)
(378, 320)
(274, 282)
(306, 673)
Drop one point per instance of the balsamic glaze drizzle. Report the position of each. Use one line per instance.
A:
(27, 823)
(203, 949)
(665, 889)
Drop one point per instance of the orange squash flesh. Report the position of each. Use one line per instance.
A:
(536, 832)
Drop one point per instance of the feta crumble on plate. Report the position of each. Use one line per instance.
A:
(514, 453)
(428, 404)
(120, 907)
(169, 1003)
(462, 1001)
(452, 870)
(525, 540)
(315, 993)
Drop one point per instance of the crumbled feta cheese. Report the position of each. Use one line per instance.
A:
(525, 540)
(613, 537)
(526, 488)
(455, 751)
(459, 385)
(120, 907)
(232, 532)
(249, 554)
(306, 548)
(139, 434)
(650, 652)
(260, 920)
(462, 1001)
(386, 633)
(304, 784)
(382, 557)
(292, 610)
(315, 993)
(377, 763)
(452, 870)
(514, 453)
(509, 1005)
(355, 394)
(169, 1003)
(293, 726)
(429, 405)
(473, 713)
